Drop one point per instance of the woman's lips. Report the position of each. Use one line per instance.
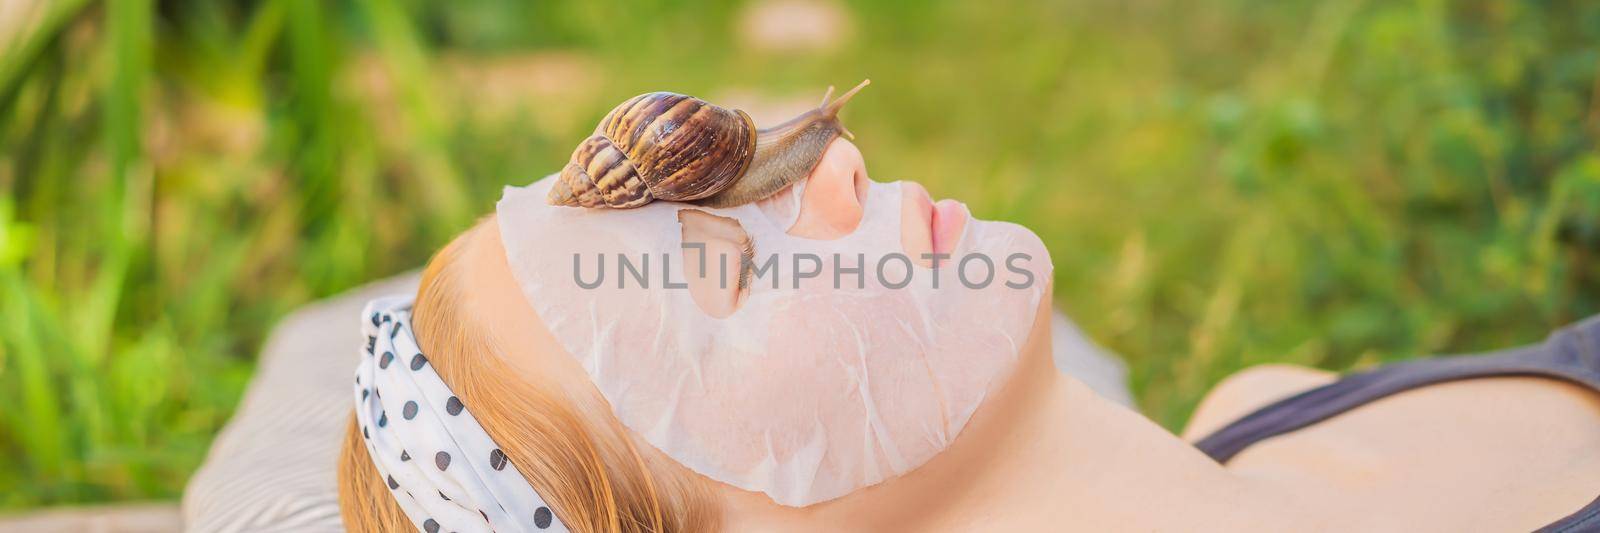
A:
(949, 217)
(930, 227)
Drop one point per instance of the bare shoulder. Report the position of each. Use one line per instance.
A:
(1443, 453)
(1250, 389)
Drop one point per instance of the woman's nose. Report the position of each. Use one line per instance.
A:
(830, 205)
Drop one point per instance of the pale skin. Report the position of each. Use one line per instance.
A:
(1044, 453)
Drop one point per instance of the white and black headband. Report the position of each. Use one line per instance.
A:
(442, 468)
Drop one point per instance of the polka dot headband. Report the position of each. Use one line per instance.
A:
(443, 469)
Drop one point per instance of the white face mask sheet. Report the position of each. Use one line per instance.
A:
(808, 391)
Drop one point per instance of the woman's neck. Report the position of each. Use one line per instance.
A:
(1068, 459)
(1044, 454)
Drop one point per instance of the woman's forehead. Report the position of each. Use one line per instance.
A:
(492, 299)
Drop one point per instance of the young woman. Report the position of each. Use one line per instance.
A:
(1501, 442)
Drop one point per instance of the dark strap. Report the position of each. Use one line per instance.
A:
(1586, 520)
(1570, 354)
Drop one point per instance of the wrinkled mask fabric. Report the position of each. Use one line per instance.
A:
(818, 384)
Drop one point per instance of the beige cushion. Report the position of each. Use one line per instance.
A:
(272, 467)
(159, 517)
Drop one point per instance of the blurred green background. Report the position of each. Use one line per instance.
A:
(1221, 183)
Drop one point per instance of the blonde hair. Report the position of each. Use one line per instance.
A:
(589, 473)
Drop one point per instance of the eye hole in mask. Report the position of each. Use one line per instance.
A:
(727, 255)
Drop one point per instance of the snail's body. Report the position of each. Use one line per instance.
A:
(666, 146)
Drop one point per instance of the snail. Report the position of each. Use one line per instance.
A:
(668, 146)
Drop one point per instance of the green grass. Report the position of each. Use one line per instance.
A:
(1221, 185)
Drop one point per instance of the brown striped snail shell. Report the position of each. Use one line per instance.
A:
(667, 146)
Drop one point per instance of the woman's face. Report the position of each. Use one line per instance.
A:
(820, 341)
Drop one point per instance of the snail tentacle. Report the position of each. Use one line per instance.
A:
(788, 152)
